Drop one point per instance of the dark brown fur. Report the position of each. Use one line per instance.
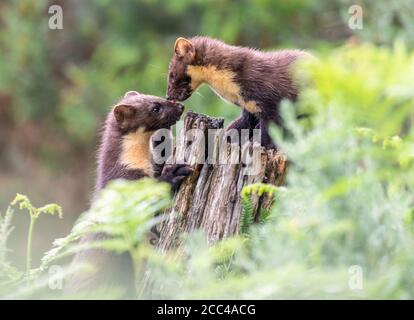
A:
(264, 78)
(134, 114)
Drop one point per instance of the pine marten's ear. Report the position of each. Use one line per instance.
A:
(184, 48)
(130, 94)
(124, 115)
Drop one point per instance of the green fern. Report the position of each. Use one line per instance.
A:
(247, 217)
(9, 275)
(24, 203)
(124, 211)
(6, 229)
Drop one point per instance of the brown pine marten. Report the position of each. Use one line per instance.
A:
(125, 149)
(125, 153)
(254, 80)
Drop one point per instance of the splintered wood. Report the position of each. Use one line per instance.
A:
(210, 198)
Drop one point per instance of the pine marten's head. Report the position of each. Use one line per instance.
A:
(126, 141)
(180, 83)
(202, 60)
(144, 113)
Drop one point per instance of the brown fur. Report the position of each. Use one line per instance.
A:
(125, 148)
(124, 153)
(255, 80)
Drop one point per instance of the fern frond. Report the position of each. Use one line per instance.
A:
(247, 217)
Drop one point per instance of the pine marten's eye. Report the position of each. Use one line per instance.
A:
(156, 108)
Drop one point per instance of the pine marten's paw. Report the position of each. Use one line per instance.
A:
(175, 174)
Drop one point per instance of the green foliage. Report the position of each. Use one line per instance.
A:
(348, 198)
(8, 274)
(385, 21)
(28, 58)
(258, 190)
(124, 210)
(11, 278)
(69, 78)
(24, 203)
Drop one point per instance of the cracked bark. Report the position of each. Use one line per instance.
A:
(210, 198)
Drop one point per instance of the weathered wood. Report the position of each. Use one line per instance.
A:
(210, 198)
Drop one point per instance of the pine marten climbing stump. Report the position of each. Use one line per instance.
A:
(210, 198)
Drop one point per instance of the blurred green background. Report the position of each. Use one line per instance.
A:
(57, 85)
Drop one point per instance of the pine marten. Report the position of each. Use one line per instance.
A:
(254, 80)
(125, 153)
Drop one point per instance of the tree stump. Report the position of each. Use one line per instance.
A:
(210, 199)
